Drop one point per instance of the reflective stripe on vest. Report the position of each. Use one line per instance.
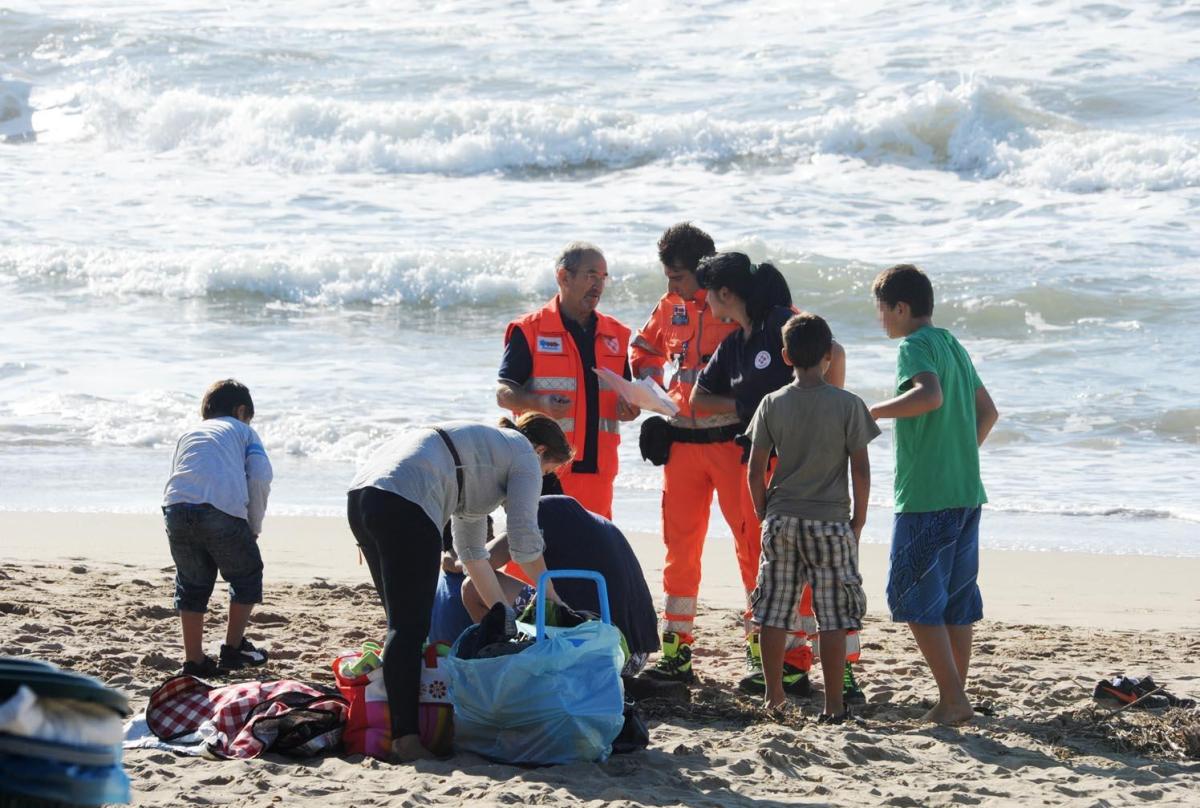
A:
(688, 375)
(546, 384)
(560, 372)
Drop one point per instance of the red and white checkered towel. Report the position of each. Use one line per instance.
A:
(247, 716)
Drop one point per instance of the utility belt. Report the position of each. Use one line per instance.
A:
(658, 434)
(712, 434)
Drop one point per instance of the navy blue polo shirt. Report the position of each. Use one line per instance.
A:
(517, 366)
(580, 540)
(748, 368)
(576, 538)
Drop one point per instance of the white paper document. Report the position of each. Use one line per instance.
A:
(644, 393)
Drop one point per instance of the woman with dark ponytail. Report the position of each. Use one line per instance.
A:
(747, 365)
(401, 500)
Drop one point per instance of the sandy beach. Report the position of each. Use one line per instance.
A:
(347, 207)
(92, 592)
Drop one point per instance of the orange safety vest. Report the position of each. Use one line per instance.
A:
(685, 333)
(558, 370)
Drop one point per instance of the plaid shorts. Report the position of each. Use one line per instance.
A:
(822, 554)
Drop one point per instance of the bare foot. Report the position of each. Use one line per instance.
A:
(950, 715)
(408, 749)
(780, 709)
(775, 700)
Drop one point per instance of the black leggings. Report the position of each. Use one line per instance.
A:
(403, 550)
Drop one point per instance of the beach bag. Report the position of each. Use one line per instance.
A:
(368, 729)
(435, 714)
(558, 701)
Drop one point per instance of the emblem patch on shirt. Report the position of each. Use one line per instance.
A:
(762, 359)
(549, 345)
(611, 344)
(679, 315)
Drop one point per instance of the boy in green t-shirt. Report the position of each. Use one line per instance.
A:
(943, 414)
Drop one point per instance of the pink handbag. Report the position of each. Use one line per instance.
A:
(369, 721)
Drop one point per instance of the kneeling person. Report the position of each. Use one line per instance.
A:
(576, 538)
(809, 536)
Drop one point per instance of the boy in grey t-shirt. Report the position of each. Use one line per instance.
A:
(808, 534)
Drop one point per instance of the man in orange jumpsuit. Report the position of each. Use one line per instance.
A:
(549, 356)
(672, 348)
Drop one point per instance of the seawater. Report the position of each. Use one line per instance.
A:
(342, 204)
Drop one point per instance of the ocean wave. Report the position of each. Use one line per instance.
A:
(484, 278)
(981, 129)
(155, 418)
(977, 128)
(419, 277)
(10, 369)
(1179, 423)
(1114, 511)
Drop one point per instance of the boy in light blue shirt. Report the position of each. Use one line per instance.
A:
(213, 505)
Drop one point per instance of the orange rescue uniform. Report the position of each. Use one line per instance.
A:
(558, 370)
(673, 347)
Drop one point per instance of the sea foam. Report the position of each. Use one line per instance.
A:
(489, 278)
(977, 127)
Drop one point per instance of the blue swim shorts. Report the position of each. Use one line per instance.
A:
(934, 568)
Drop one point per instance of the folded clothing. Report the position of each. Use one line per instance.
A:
(60, 737)
(67, 721)
(49, 681)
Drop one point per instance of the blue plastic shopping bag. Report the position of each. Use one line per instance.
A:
(558, 701)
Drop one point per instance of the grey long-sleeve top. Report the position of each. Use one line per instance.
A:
(499, 467)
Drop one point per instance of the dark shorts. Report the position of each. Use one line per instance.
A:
(935, 564)
(205, 541)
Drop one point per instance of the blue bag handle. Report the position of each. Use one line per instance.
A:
(590, 575)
